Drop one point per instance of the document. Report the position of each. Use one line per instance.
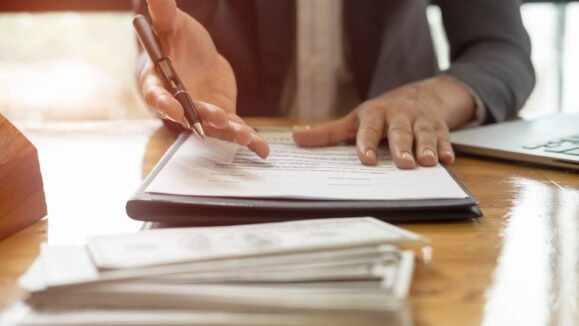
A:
(178, 245)
(340, 271)
(216, 168)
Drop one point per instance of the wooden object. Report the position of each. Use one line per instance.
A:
(22, 200)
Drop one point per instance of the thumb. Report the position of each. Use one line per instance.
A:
(163, 13)
(328, 133)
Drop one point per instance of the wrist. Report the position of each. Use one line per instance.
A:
(452, 99)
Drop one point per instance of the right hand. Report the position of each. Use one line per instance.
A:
(206, 74)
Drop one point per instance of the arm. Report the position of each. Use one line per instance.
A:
(490, 54)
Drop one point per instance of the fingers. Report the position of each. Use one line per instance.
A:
(234, 132)
(426, 143)
(432, 143)
(258, 145)
(211, 115)
(370, 132)
(430, 139)
(163, 13)
(328, 133)
(445, 151)
(217, 123)
(158, 98)
(409, 129)
(427, 137)
(242, 134)
(400, 141)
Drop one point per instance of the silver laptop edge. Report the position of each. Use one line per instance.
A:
(506, 140)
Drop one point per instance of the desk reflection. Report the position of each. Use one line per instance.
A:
(536, 279)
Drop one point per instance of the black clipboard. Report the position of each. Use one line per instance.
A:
(205, 211)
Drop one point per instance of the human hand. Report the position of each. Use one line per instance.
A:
(417, 115)
(206, 74)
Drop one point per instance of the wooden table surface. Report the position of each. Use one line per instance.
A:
(517, 265)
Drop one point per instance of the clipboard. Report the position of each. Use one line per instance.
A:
(208, 211)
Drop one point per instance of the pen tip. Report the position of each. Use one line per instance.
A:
(199, 130)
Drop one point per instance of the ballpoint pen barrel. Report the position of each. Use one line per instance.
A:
(176, 87)
(190, 113)
(187, 105)
(166, 72)
(168, 75)
(148, 38)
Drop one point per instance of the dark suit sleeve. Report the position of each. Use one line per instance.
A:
(490, 51)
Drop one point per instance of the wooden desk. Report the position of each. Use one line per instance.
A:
(517, 265)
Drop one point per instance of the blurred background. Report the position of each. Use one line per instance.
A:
(74, 60)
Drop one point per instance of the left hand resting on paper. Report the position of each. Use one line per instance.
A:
(415, 118)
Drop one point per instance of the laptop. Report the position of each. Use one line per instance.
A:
(551, 141)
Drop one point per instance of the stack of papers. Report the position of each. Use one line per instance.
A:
(345, 271)
(211, 181)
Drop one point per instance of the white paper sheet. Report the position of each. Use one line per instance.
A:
(179, 245)
(57, 265)
(217, 168)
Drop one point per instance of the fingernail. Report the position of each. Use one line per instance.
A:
(428, 152)
(371, 155)
(448, 153)
(407, 156)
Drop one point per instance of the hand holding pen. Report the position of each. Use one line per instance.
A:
(186, 48)
(165, 70)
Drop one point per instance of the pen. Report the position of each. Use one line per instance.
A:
(164, 68)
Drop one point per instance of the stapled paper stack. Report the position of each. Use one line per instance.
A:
(344, 271)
